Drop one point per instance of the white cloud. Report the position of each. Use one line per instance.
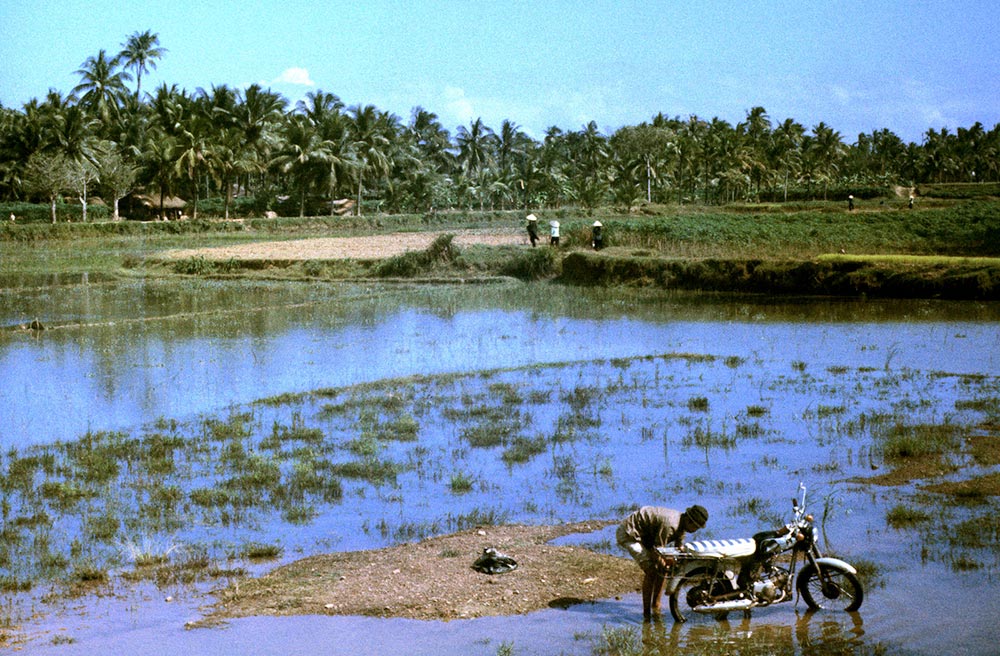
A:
(458, 106)
(295, 75)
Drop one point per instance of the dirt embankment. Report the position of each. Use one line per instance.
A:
(434, 580)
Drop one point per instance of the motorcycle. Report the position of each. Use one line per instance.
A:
(716, 577)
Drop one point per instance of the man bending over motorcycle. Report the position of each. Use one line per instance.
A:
(648, 528)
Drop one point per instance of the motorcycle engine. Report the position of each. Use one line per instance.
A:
(770, 587)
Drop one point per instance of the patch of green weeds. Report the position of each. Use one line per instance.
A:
(365, 445)
(259, 473)
(823, 411)
(299, 513)
(64, 494)
(260, 551)
(901, 441)
(539, 397)
(753, 506)
(698, 404)
(900, 516)
(373, 470)
(749, 429)
(965, 563)
(477, 517)
(581, 398)
(507, 393)
(297, 432)
(490, 434)
(982, 532)
(87, 571)
(522, 449)
(158, 453)
(103, 527)
(237, 427)
(460, 483)
(706, 438)
(147, 553)
(989, 405)
(869, 573)
(315, 476)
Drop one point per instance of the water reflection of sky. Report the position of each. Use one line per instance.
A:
(63, 383)
(67, 381)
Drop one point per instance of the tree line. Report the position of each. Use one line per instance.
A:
(110, 138)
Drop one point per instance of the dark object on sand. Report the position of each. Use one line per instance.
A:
(494, 562)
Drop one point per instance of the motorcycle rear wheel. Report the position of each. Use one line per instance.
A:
(841, 591)
(695, 590)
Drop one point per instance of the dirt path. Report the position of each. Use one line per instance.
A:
(434, 580)
(369, 247)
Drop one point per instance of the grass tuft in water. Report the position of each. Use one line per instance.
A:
(901, 516)
(698, 404)
(460, 483)
(900, 441)
(522, 449)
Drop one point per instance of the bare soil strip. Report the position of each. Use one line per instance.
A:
(434, 580)
(371, 247)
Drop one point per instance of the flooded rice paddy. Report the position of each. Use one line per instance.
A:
(160, 440)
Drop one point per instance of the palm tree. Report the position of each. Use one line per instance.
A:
(102, 85)
(158, 162)
(303, 156)
(757, 130)
(431, 139)
(259, 115)
(371, 137)
(140, 53)
(824, 150)
(786, 150)
(323, 112)
(475, 147)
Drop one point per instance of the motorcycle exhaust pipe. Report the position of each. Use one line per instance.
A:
(725, 606)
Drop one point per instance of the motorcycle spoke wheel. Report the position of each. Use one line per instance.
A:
(840, 591)
(692, 591)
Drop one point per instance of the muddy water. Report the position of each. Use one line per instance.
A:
(119, 357)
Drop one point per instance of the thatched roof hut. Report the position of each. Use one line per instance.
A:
(145, 206)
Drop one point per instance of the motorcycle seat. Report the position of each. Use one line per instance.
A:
(723, 548)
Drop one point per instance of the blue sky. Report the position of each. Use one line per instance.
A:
(859, 66)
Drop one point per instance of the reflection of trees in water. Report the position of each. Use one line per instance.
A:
(812, 634)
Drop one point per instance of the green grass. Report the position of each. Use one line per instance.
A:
(460, 483)
(698, 404)
(522, 449)
(950, 234)
(922, 260)
(706, 438)
(900, 516)
(901, 441)
(260, 551)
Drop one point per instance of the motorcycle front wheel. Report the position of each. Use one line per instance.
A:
(696, 590)
(840, 590)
